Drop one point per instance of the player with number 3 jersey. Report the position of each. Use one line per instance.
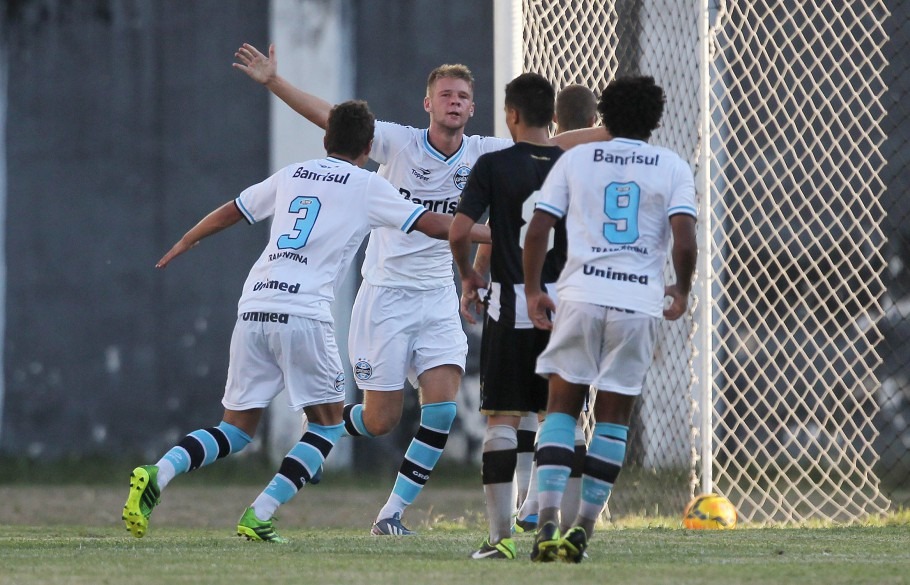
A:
(284, 336)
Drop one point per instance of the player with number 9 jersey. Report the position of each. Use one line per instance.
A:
(623, 201)
(618, 255)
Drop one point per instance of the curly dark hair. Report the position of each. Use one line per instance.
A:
(631, 107)
(534, 98)
(349, 129)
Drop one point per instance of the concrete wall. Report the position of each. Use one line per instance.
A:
(125, 124)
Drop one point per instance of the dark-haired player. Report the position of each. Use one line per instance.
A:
(576, 108)
(622, 201)
(503, 183)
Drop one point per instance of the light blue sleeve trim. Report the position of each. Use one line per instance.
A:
(682, 209)
(408, 225)
(244, 211)
(549, 209)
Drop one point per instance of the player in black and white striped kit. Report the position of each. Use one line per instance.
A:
(504, 183)
(576, 108)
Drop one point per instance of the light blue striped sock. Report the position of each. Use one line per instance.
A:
(422, 455)
(353, 421)
(200, 448)
(602, 466)
(297, 468)
(555, 451)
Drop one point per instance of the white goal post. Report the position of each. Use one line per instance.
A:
(767, 392)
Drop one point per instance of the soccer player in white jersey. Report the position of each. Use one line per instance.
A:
(405, 322)
(284, 336)
(622, 201)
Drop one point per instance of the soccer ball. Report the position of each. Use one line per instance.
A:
(710, 512)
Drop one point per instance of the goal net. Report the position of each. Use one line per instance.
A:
(766, 392)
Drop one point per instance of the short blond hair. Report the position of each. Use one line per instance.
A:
(456, 71)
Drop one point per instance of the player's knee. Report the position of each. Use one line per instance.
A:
(500, 438)
(381, 422)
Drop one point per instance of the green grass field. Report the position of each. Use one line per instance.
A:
(72, 533)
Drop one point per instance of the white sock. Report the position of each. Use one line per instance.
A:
(393, 506)
(525, 459)
(529, 506)
(500, 441)
(166, 473)
(571, 498)
(264, 507)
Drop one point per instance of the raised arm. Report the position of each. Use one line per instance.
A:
(264, 70)
(219, 219)
(684, 254)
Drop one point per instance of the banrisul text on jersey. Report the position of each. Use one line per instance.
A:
(440, 206)
(302, 173)
(617, 198)
(625, 159)
(431, 178)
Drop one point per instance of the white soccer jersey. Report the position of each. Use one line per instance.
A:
(617, 198)
(321, 210)
(423, 175)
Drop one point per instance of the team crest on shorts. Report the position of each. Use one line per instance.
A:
(339, 382)
(363, 370)
(461, 176)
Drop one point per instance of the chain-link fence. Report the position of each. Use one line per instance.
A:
(793, 119)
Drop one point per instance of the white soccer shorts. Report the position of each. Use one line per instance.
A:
(398, 334)
(268, 355)
(610, 349)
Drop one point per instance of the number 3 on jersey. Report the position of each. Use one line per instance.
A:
(309, 208)
(621, 201)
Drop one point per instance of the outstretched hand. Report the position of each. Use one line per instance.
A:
(260, 68)
(178, 249)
